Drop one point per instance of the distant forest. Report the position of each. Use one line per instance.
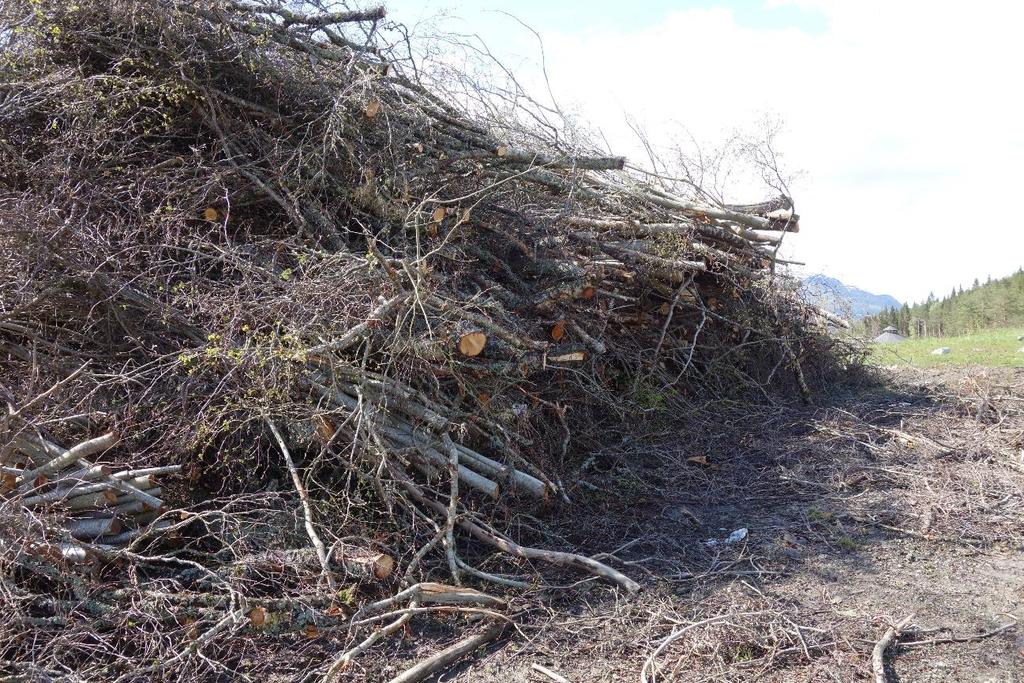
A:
(996, 303)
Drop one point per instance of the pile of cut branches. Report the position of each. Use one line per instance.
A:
(259, 249)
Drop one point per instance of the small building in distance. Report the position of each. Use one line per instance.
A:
(890, 335)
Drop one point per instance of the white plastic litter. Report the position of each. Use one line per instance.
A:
(734, 537)
(737, 536)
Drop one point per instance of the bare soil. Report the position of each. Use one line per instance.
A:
(894, 499)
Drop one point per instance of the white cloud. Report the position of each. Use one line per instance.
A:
(907, 117)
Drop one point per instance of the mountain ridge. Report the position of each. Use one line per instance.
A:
(846, 300)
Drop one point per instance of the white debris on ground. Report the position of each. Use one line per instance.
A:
(941, 351)
(734, 537)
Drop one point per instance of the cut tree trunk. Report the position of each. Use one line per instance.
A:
(355, 562)
(470, 339)
(88, 528)
(100, 499)
(70, 457)
(364, 563)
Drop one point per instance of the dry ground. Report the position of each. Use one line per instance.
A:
(890, 500)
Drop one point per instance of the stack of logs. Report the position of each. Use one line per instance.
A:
(431, 284)
(318, 234)
(98, 508)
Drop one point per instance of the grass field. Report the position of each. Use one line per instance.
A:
(991, 348)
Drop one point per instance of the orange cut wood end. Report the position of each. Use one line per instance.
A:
(324, 429)
(472, 344)
(383, 566)
(258, 616)
(372, 109)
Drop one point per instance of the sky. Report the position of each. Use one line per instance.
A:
(903, 121)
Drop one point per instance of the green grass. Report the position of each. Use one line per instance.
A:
(991, 348)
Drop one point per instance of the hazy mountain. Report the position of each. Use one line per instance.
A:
(851, 302)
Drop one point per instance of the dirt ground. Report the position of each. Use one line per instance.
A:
(901, 499)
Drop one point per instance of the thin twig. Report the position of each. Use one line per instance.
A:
(307, 508)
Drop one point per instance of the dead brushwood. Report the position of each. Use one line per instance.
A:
(275, 249)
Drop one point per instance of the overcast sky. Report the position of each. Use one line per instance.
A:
(905, 118)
